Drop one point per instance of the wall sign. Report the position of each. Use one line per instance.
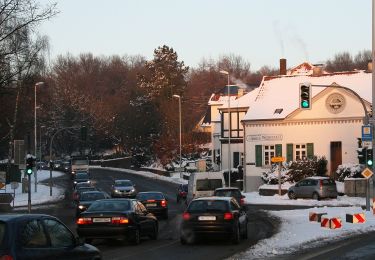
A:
(266, 137)
(335, 103)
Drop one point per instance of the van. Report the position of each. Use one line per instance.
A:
(203, 184)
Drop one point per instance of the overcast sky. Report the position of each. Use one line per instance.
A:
(260, 31)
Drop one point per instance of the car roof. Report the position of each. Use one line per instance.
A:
(122, 180)
(228, 189)
(214, 198)
(117, 199)
(92, 191)
(318, 178)
(14, 217)
(150, 192)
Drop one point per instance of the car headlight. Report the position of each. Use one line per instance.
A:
(81, 207)
(75, 182)
(133, 190)
(116, 190)
(88, 181)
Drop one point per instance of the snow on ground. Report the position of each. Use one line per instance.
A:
(43, 190)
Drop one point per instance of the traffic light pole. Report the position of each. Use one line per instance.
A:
(29, 193)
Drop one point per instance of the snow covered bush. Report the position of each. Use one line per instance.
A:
(349, 170)
(272, 176)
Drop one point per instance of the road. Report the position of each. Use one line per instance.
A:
(168, 244)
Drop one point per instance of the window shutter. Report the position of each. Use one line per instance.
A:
(310, 150)
(289, 152)
(258, 156)
(278, 150)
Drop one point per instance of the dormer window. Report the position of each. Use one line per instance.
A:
(278, 111)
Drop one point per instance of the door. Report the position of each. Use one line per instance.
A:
(336, 157)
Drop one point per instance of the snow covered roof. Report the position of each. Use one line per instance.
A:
(243, 101)
(282, 92)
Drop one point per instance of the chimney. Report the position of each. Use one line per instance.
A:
(282, 66)
(369, 66)
(317, 69)
(240, 92)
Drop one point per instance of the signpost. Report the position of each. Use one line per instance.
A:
(278, 160)
(367, 173)
(14, 185)
(2, 179)
(367, 136)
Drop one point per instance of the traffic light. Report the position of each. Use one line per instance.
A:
(305, 95)
(369, 158)
(29, 165)
(362, 155)
(83, 133)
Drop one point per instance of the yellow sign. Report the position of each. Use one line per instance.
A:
(277, 159)
(367, 173)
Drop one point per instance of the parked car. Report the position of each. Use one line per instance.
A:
(155, 202)
(213, 216)
(81, 177)
(117, 219)
(314, 187)
(123, 188)
(37, 236)
(86, 198)
(231, 192)
(182, 192)
(203, 184)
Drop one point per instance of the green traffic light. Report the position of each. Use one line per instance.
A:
(29, 171)
(305, 104)
(369, 162)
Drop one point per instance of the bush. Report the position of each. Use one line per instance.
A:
(349, 170)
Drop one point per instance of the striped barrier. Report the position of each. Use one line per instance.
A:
(313, 216)
(356, 218)
(335, 223)
(373, 206)
(324, 222)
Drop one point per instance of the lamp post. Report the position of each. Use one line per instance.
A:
(179, 109)
(35, 133)
(40, 142)
(229, 126)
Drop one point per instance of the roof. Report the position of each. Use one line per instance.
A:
(228, 188)
(282, 92)
(214, 198)
(12, 217)
(243, 101)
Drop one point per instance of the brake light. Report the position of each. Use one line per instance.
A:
(150, 200)
(228, 216)
(163, 203)
(186, 216)
(84, 221)
(120, 220)
(6, 257)
(242, 201)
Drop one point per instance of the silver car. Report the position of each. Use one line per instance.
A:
(314, 187)
(123, 188)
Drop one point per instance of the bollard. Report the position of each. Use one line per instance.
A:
(335, 223)
(316, 216)
(324, 222)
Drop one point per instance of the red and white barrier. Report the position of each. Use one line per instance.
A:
(324, 222)
(335, 223)
(373, 206)
(356, 218)
(313, 216)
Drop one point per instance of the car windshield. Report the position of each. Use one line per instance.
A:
(209, 184)
(82, 176)
(150, 196)
(80, 162)
(83, 185)
(227, 193)
(87, 196)
(328, 182)
(123, 183)
(2, 233)
(208, 205)
(109, 205)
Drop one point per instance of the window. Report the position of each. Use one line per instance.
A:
(33, 236)
(300, 152)
(209, 184)
(269, 152)
(235, 127)
(59, 234)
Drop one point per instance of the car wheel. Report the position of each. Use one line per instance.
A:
(154, 234)
(315, 196)
(236, 236)
(292, 195)
(136, 239)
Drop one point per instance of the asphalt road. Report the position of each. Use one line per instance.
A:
(167, 246)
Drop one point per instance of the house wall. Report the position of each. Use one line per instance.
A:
(235, 147)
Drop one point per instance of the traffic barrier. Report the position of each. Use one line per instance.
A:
(373, 206)
(313, 216)
(335, 223)
(325, 222)
(356, 218)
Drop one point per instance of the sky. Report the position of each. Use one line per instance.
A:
(260, 31)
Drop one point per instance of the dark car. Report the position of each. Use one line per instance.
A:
(231, 192)
(66, 167)
(86, 198)
(123, 189)
(117, 219)
(155, 202)
(41, 165)
(213, 216)
(80, 187)
(314, 187)
(36, 236)
(182, 192)
(81, 177)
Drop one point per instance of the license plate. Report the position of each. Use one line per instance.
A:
(151, 204)
(101, 220)
(206, 218)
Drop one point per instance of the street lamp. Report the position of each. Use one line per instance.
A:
(35, 136)
(179, 109)
(229, 124)
(40, 142)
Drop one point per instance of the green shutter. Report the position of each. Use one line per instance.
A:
(310, 150)
(258, 156)
(279, 150)
(289, 152)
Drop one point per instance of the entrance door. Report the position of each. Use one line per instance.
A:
(336, 157)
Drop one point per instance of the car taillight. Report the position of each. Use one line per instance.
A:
(163, 203)
(186, 216)
(228, 216)
(6, 257)
(84, 221)
(120, 220)
(150, 200)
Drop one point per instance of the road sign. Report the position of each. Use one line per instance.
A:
(366, 144)
(277, 159)
(367, 173)
(14, 185)
(366, 133)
